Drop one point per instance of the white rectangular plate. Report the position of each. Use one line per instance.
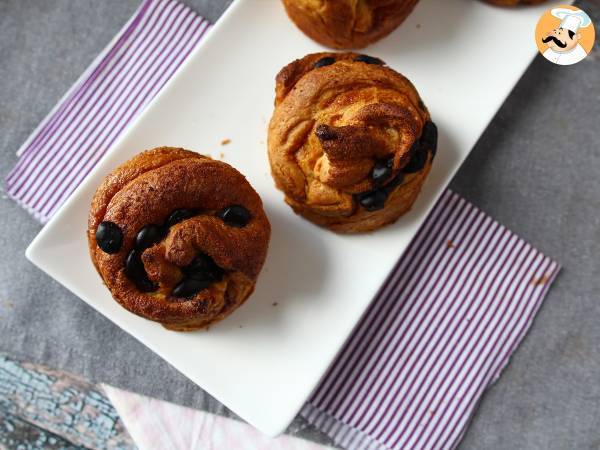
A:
(463, 56)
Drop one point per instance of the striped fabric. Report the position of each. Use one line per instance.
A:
(438, 333)
(105, 99)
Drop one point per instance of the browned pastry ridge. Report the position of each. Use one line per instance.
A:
(177, 237)
(350, 141)
(348, 23)
(514, 2)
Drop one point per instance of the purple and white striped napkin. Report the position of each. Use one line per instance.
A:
(441, 328)
(438, 333)
(110, 94)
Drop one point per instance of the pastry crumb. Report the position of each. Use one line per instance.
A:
(418, 25)
(240, 326)
(450, 244)
(275, 303)
(226, 141)
(222, 155)
(540, 281)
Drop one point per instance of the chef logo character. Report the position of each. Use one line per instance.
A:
(563, 35)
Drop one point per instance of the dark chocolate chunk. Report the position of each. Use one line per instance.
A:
(203, 268)
(372, 200)
(179, 215)
(109, 237)
(369, 60)
(393, 183)
(188, 287)
(326, 61)
(148, 236)
(429, 137)
(135, 271)
(381, 172)
(325, 133)
(235, 216)
(417, 161)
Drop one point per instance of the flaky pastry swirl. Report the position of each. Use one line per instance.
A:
(350, 141)
(177, 237)
(347, 24)
(514, 2)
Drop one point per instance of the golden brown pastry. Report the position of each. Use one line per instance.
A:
(350, 141)
(514, 2)
(177, 237)
(348, 23)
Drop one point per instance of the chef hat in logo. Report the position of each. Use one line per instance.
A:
(571, 20)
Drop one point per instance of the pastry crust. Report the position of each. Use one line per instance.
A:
(347, 24)
(145, 191)
(338, 122)
(514, 2)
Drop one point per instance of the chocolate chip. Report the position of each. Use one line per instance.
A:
(235, 216)
(148, 236)
(188, 287)
(369, 60)
(325, 133)
(394, 182)
(109, 237)
(179, 215)
(429, 137)
(372, 200)
(135, 271)
(326, 61)
(203, 268)
(417, 160)
(381, 172)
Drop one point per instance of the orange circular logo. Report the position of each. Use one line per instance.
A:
(565, 35)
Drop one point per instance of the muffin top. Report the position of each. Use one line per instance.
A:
(170, 230)
(344, 125)
(346, 24)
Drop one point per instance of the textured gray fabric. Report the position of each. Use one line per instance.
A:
(536, 169)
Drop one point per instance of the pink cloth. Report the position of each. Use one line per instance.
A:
(154, 424)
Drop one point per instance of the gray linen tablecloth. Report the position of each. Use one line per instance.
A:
(536, 169)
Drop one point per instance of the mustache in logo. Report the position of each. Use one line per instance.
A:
(556, 41)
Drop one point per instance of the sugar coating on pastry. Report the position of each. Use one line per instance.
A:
(346, 24)
(350, 141)
(177, 237)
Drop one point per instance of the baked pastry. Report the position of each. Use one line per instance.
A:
(350, 141)
(348, 23)
(514, 2)
(177, 237)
